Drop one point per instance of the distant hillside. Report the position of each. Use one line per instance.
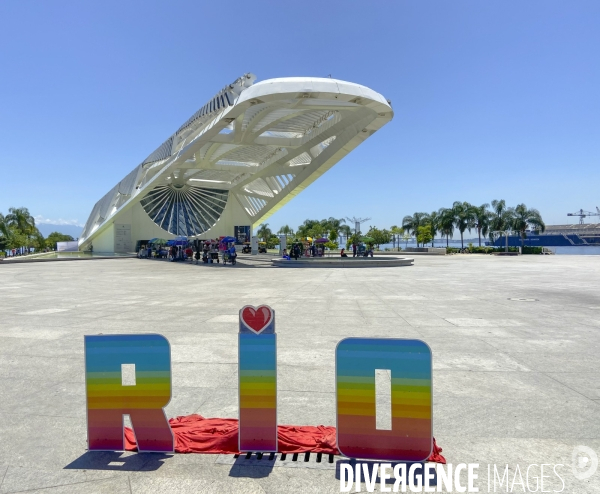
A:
(46, 229)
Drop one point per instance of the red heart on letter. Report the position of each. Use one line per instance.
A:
(256, 318)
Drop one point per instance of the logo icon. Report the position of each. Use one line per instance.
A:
(585, 462)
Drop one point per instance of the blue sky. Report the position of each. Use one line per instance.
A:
(492, 99)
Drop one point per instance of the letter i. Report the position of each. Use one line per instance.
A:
(357, 476)
(257, 371)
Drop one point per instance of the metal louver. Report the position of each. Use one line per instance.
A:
(185, 209)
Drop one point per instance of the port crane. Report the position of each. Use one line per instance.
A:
(584, 214)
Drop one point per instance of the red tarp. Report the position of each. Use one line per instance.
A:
(195, 434)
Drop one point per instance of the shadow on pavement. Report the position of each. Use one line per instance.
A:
(254, 468)
(119, 461)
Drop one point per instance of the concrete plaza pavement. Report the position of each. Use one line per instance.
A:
(515, 344)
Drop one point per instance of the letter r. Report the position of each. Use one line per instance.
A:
(108, 400)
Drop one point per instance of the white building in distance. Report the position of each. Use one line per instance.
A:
(236, 161)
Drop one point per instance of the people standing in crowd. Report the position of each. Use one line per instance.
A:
(232, 253)
(295, 251)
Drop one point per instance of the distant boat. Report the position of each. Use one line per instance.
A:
(555, 236)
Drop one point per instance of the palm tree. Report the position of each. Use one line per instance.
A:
(396, 231)
(306, 228)
(464, 218)
(524, 218)
(285, 230)
(482, 220)
(333, 224)
(346, 231)
(20, 218)
(5, 231)
(23, 223)
(446, 223)
(501, 218)
(264, 232)
(412, 223)
(434, 223)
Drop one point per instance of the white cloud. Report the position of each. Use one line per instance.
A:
(40, 220)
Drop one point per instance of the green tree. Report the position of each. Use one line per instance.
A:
(379, 236)
(396, 232)
(331, 245)
(501, 218)
(333, 235)
(424, 233)
(286, 230)
(524, 218)
(22, 220)
(332, 224)
(272, 241)
(22, 224)
(38, 241)
(310, 228)
(464, 218)
(5, 232)
(17, 239)
(482, 220)
(446, 223)
(346, 231)
(264, 232)
(412, 223)
(434, 223)
(55, 237)
(353, 239)
(406, 237)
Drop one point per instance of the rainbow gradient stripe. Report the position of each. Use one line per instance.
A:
(108, 400)
(410, 364)
(258, 391)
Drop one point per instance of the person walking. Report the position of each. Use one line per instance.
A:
(232, 254)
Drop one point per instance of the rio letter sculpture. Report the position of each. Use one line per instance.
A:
(410, 438)
(108, 399)
(257, 369)
(409, 361)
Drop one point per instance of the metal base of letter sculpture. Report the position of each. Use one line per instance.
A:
(257, 368)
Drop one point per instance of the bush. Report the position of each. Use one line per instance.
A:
(489, 250)
(532, 250)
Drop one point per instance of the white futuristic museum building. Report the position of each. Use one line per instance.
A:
(236, 161)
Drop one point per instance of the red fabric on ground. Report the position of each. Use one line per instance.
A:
(195, 434)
